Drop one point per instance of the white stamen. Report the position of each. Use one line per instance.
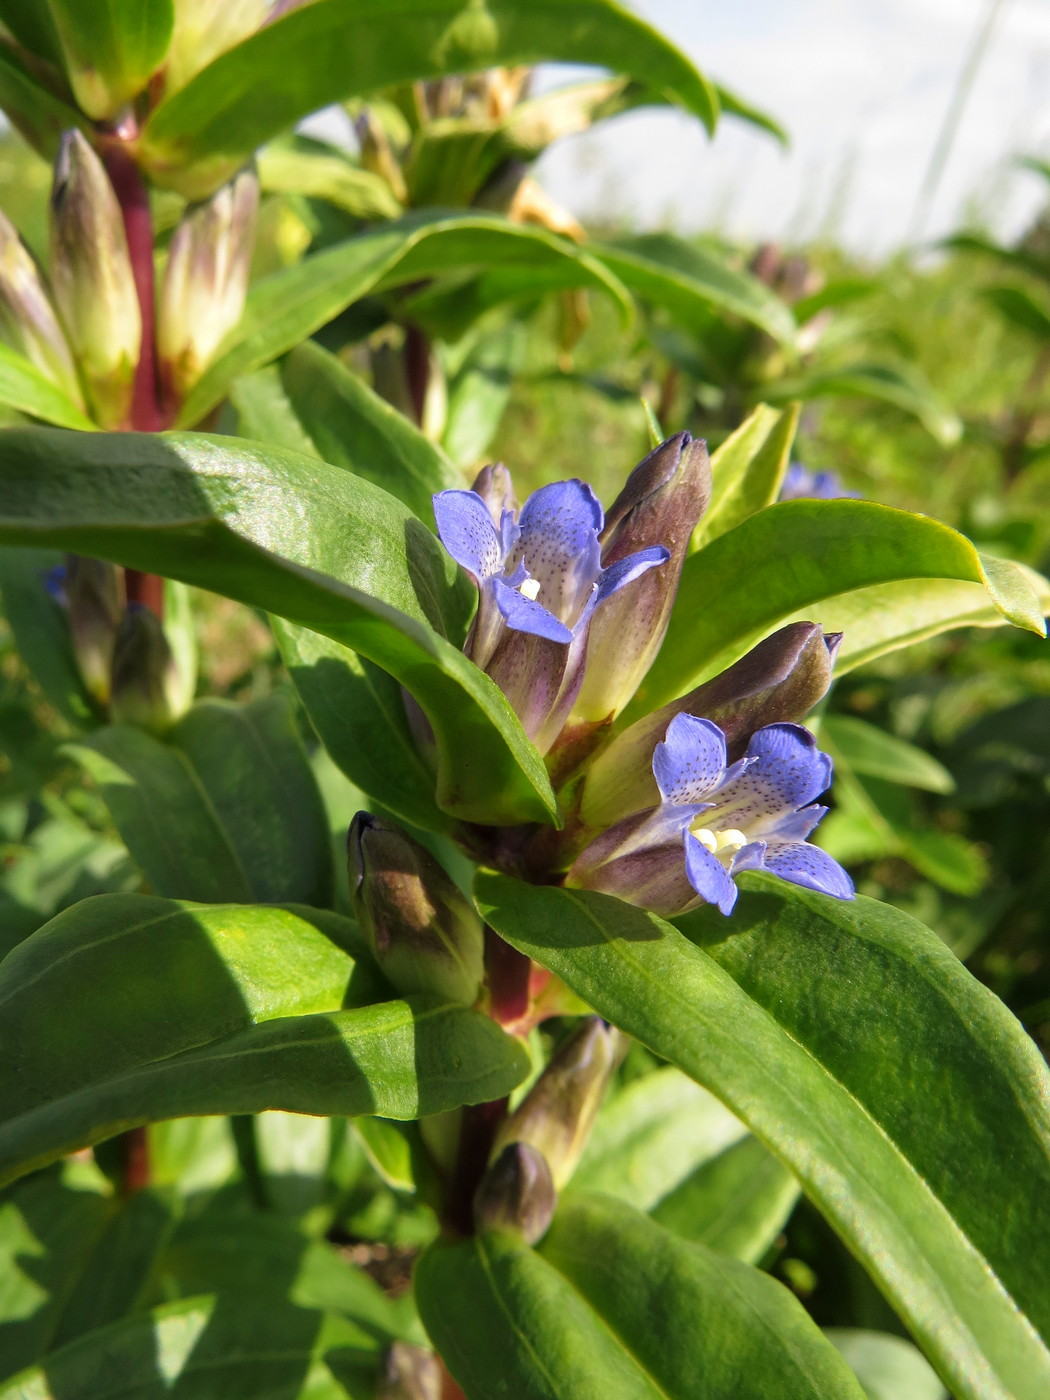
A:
(530, 589)
(720, 843)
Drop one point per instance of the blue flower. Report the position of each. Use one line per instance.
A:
(715, 820)
(541, 580)
(800, 484)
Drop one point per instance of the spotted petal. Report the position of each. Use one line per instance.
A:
(524, 614)
(690, 762)
(708, 876)
(803, 864)
(558, 541)
(786, 771)
(627, 570)
(466, 530)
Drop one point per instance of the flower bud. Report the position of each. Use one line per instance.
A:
(27, 318)
(92, 279)
(377, 154)
(780, 679)
(494, 486)
(660, 504)
(424, 934)
(409, 1373)
(205, 282)
(94, 596)
(637, 862)
(556, 1116)
(516, 1194)
(145, 689)
(203, 30)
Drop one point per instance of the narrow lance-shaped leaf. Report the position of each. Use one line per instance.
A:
(111, 47)
(747, 469)
(24, 387)
(336, 49)
(177, 1010)
(259, 525)
(818, 1021)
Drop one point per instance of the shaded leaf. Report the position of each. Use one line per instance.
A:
(902, 386)
(870, 750)
(28, 389)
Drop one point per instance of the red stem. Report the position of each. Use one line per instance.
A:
(136, 1160)
(508, 974)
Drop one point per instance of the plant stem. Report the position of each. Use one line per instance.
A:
(508, 980)
(135, 1143)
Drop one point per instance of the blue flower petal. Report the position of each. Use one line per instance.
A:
(466, 530)
(796, 826)
(627, 570)
(803, 864)
(786, 772)
(558, 542)
(690, 762)
(524, 615)
(708, 876)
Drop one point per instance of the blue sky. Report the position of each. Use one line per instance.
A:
(862, 87)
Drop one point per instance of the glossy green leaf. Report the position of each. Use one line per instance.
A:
(111, 48)
(747, 469)
(265, 414)
(335, 49)
(183, 1010)
(26, 388)
(687, 281)
(225, 807)
(817, 1021)
(31, 109)
(1021, 309)
(359, 715)
(870, 750)
(736, 1203)
(902, 386)
(352, 427)
(193, 1346)
(888, 1367)
(288, 306)
(31, 24)
(298, 166)
(299, 538)
(41, 630)
(797, 554)
(612, 1305)
(651, 1135)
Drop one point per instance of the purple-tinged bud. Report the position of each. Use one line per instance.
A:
(27, 319)
(636, 864)
(494, 486)
(557, 1113)
(94, 594)
(205, 282)
(424, 934)
(516, 1194)
(780, 679)
(146, 687)
(204, 30)
(410, 1373)
(92, 280)
(660, 504)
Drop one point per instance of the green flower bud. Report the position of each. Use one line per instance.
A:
(94, 594)
(557, 1114)
(145, 689)
(660, 504)
(204, 30)
(516, 1194)
(92, 280)
(781, 679)
(205, 282)
(423, 932)
(27, 318)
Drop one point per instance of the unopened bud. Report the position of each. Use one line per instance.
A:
(557, 1114)
(146, 687)
(410, 1373)
(92, 279)
(203, 30)
(27, 318)
(94, 595)
(205, 282)
(516, 1194)
(780, 679)
(494, 486)
(660, 504)
(424, 934)
(377, 154)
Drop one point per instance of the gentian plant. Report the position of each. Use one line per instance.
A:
(466, 1016)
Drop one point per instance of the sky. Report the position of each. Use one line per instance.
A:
(862, 87)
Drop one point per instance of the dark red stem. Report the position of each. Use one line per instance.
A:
(136, 1160)
(476, 1135)
(508, 974)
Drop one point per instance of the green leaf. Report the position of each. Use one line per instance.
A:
(796, 555)
(479, 392)
(817, 1022)
(31, 24)
(257, 1350)
(356, 566)
(26, 388)
(611, 1305)
(31, 109)
(337, 49)
(747, 469)
(900, 385)
(1021, 309)
(652, 1135)
(41, 631)
(352, 427)
(736, 1203)
(111, 48)
(360, 718)
(265, 414)
(178, 1010)
(870, 750)
(888, 1367)
(732, 105)
(1010, 257)
(225, 807)
(299, 166)
(288, 306)
(687, 281)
